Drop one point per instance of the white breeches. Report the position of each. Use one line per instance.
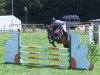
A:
(64, 27)
(62, 23)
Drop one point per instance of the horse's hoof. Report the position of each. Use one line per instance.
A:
(54, 46)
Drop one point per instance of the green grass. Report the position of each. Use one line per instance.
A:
(38, 38)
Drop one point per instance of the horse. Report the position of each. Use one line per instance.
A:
(56, 34)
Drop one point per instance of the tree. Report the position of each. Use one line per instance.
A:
(3, 4)
(41, 10)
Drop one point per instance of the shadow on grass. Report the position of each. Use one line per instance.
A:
(37, 66)
(29, 66)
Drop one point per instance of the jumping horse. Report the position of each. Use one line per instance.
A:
(56, 34)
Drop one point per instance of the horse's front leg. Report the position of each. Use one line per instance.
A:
(49, 38)
(51, 41)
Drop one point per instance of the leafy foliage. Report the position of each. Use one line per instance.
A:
(40, 11)
(3, 4)
(93, 53)
(96, 34)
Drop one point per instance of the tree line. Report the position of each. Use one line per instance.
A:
(39, 11)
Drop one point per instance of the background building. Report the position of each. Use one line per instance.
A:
(9, 23)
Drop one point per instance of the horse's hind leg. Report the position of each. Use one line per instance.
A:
(66, 44)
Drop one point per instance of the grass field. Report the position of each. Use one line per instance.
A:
(38, 38)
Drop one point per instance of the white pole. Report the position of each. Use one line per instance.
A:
(12, 7)
(25, 9)
(12, 15)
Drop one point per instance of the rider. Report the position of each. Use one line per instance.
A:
(61, 23)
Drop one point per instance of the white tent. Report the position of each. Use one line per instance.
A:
(9, 23)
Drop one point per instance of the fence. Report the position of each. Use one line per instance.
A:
(83, 28)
